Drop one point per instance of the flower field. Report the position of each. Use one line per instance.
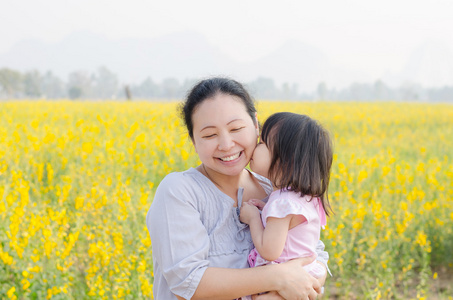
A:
(77, 179)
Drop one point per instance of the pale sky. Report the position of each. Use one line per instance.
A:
(355, 34)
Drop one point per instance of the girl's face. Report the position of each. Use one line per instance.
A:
(224, 134)
(261, 160)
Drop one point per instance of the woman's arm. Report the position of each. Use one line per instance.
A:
(289, 279)
(180, 242)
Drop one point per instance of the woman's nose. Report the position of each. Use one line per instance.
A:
(226, 142)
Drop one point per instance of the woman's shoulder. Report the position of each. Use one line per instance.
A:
(179, 181)
(176, 190)
(175, 176)
(263, 181)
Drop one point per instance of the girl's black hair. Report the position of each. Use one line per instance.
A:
(208, 88)
(302, 155)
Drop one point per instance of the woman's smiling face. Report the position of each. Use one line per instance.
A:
(224, 134)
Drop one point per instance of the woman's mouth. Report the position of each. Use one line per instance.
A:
(231, 157)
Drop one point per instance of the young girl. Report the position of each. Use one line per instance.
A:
(295, 153)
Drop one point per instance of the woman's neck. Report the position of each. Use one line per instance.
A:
(229, 184)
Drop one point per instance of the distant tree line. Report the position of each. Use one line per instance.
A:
(104, 84)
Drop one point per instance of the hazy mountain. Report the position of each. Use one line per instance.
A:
(294, 62)
(190, 55)
(180, 55)
(430, 64)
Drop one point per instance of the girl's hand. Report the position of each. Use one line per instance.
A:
(295, 281)
(258, 203)
(248, 213)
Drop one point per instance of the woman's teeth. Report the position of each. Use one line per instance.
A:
(230, 158)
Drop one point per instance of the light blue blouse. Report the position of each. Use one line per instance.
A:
(193, 225)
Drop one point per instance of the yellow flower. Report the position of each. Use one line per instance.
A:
(25, 284)
(363, 174)
(421, 239)
(10, 292)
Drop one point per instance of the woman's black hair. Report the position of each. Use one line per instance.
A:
(209, 88)
(302, 154)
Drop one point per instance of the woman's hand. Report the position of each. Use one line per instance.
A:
(267, 296)
(295, 282)
(248, 213)
(322, 280)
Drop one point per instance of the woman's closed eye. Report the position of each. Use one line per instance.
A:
(237, 129)
(208, 136)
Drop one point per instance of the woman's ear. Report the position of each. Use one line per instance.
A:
(193, 143)
(257, 126)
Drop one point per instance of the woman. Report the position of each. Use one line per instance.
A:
(200, 247)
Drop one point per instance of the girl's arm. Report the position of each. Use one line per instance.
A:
(269, 241)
